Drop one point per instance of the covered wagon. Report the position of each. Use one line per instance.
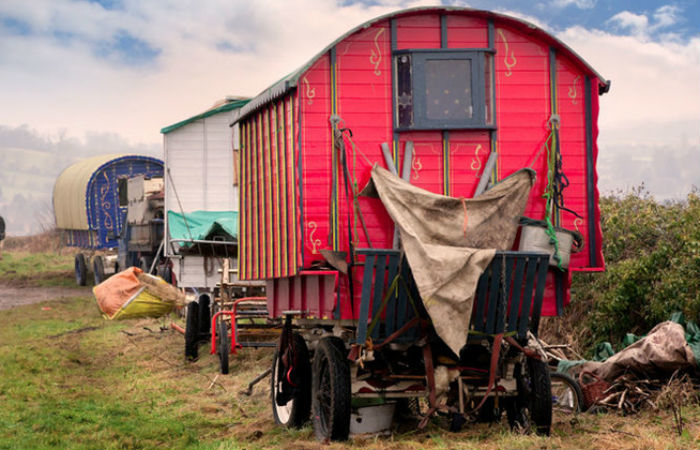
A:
(465, 124)
(91, 201)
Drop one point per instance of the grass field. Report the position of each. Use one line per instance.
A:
(70, 379)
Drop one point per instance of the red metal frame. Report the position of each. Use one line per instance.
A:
(234, 345)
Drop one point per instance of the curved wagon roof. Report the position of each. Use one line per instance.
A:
(289, 82)
(73, 184)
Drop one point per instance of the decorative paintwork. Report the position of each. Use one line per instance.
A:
(375, 57)
(509, 59)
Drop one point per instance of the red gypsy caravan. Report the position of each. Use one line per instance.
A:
(416, 196)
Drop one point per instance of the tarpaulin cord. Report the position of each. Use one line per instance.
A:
(464, 206)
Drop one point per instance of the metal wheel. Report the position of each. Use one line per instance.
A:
(291, 405)
(567, 396)
(80, 270)
(98, 269)
(330, 393)
(223, 344)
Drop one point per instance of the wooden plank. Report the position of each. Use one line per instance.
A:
(379, 292)
(478, 320)
(495, 291)
(527, 297)
(366, 295)
(515, 298)
(543, 266)
(390, 317)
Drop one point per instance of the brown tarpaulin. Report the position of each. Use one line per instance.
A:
(449, 241)
(660, 353)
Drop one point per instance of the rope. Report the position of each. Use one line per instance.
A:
(464, 225)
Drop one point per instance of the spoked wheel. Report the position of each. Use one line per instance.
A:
(291, 408)
(330, 393)
(80, 269)
(98, 268)
(533, 405)
(223, 344)
(567, 396)
(192, 331)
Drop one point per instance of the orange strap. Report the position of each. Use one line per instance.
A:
(464, 206)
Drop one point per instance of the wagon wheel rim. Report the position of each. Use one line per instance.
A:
(284, 412)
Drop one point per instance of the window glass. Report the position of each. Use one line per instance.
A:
(488, 73)
(404, 91)
(448, 91)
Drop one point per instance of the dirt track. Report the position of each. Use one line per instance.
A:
(11, 297)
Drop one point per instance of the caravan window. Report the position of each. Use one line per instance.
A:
(442, 89)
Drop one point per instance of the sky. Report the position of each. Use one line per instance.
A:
(80, 77)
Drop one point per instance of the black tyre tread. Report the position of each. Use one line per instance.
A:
(302, 401)
(204, 315)
(98, 268)
(338, 428)
(80, 269)
(573, 384)
(223, 345)
(541, 399)
(192, 331)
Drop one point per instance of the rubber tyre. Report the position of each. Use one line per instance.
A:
(541, 400)
(533, 405)
(98, 269)
(204, 316)
(192, 331)
(80, 269)
(330, 393)
(296, 412)
(223, 345)
(567, 396)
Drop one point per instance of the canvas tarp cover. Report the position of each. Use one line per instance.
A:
(661, 352)
(202, 225)
(131, 294)
(450, 241)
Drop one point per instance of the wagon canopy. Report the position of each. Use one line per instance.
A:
(70, 193)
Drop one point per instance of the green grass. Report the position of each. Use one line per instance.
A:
(70, 379)
(37, 269)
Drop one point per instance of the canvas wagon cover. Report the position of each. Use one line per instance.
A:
(450, 241)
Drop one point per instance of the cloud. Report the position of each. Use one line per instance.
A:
(637, 23)
(580, 4)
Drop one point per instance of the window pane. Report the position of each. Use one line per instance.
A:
(404, 92)
(448, 90)
(489, 89)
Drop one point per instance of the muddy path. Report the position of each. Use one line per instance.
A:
(13, 296)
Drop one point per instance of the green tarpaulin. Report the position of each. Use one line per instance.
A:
(203, 225)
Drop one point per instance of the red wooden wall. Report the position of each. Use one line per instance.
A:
(293, 199)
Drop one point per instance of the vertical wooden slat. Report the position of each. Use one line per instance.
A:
(494, 294)
(255, 194)
(269, 211)
(276, 199)
(262, 213)
(367, 278)
(527, 296)
(503, 302)
(379, 290)
(390, 317)
(515, 304)
(283, 245)
(478, 320)
(242, 206)
(543, 267)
